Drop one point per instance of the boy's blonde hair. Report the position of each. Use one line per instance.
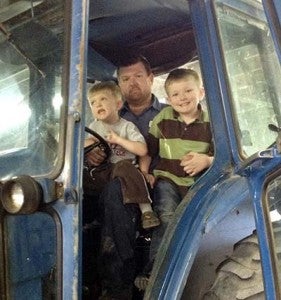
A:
(179, 74)
(106, 85)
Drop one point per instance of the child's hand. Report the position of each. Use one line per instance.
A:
(149, 179)
(193, 163)
(112, 137)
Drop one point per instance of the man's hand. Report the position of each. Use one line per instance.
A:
(95, 157)
(193, 163)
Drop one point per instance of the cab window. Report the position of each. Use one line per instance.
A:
(30, 87)
(253, 74)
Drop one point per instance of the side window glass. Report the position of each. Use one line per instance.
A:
(31, 51)
(253, 73)
(16, 110)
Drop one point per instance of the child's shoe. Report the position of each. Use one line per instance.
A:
(149, 220)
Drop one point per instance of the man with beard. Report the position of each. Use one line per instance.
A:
(120, 221)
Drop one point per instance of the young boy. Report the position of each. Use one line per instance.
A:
(181, 135)
(127, 144)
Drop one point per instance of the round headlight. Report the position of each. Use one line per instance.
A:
(21, 195)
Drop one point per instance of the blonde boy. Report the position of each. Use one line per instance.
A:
(181, 135)
(127, 146)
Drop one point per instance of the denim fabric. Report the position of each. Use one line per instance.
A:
(166, 199)
(119, 226)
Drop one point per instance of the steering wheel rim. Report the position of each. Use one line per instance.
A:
(101, 143)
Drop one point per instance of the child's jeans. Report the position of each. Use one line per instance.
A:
(166, 199)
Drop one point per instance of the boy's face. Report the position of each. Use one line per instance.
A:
(105, 106)
(184, 95)
(135, 83)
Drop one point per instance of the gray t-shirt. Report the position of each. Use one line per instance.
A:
(124, 129)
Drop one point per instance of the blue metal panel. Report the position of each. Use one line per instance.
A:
(256, 185)
(70, 208)
(257, 171)
(202, 213)
(273, 13)
(32, 255)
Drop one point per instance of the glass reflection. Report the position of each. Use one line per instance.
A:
(254, 74)
(30, 86)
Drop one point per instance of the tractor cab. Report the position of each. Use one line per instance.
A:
(51, 51)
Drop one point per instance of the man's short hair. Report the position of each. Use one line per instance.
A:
(132, 60)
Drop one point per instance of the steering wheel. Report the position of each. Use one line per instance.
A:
(277, 129)
(101, 143)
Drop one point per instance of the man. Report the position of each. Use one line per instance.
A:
(120, 221)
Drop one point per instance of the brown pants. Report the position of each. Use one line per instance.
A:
(133, 183)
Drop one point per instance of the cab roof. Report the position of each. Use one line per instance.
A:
(160, 30)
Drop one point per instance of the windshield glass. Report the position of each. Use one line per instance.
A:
(30, 86)
(253, 73)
